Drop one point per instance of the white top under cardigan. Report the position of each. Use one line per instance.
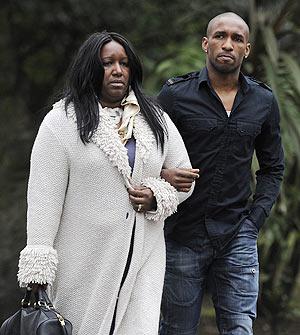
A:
(80, 220)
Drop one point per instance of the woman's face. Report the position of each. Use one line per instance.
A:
(116, 74)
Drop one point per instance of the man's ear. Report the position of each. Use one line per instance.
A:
(247, 51)
(204, 44)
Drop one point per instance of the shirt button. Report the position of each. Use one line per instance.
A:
(253, 271)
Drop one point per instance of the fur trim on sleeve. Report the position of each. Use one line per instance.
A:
(37, 264)
(166, 198)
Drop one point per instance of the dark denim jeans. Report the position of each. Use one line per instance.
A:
(231, 274)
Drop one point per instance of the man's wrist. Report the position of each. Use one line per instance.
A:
(257, 216)
(163, 173)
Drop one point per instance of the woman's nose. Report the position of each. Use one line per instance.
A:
(117, 69)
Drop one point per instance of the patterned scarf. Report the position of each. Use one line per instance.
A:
(125, 116)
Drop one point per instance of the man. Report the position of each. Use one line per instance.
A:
(223, 117)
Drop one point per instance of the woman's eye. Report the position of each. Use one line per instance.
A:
(106, 64)
(125, 64)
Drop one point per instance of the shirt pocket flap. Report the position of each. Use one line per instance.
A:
(248, 129)
(201, 124)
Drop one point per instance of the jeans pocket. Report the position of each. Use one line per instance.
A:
(244, 280)
(183, 275)
(249, 228)
(181, 291)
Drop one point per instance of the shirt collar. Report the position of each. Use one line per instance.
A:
(203, 78)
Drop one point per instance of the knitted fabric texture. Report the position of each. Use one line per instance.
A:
(166, 198)
(79, 213)
(37, 264)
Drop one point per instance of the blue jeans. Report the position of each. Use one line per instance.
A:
(231, 274)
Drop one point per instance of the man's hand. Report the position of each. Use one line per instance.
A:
(181, 179)
(142, 199)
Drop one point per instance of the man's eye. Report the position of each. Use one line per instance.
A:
(239, 39)
(219, 36)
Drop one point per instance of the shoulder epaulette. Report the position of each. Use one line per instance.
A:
(179, 79)
(260, 83)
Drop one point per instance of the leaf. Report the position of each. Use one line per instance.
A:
(270, 44)
(271, 76)
(293, 68)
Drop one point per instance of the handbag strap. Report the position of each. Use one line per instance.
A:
(26, 300)
(41, 298)
(65, 330)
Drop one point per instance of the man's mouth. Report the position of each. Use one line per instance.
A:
(225, 57)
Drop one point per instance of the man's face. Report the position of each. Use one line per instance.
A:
(226, 44)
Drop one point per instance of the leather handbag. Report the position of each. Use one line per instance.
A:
(39, 318)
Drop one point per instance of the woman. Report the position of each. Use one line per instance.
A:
(96, 202)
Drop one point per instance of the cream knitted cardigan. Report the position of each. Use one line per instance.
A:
(80, 221)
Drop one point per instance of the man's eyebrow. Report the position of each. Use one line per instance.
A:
(219, 32)
(238, 35)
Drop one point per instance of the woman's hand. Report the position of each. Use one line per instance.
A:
(181, 179)
(142, 199)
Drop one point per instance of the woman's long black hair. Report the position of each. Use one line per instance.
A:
(84, 82)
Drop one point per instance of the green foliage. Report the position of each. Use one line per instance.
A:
(279, 241)
(178, 60)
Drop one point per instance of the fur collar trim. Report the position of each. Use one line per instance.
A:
(106, 137)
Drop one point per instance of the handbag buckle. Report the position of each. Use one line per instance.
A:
(60, 319)
(41, 304)
(25, 303)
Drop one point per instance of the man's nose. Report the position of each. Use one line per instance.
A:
(228, 44)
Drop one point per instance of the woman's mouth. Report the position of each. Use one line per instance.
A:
(117, 84)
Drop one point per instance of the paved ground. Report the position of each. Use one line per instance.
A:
(261, 327)
(208, 327)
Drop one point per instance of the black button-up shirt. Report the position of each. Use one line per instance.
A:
(222, 147)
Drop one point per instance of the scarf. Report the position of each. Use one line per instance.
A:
(125, 115)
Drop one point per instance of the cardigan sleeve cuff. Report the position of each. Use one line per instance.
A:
(166, 198)
(257, 216)
(37, 264)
